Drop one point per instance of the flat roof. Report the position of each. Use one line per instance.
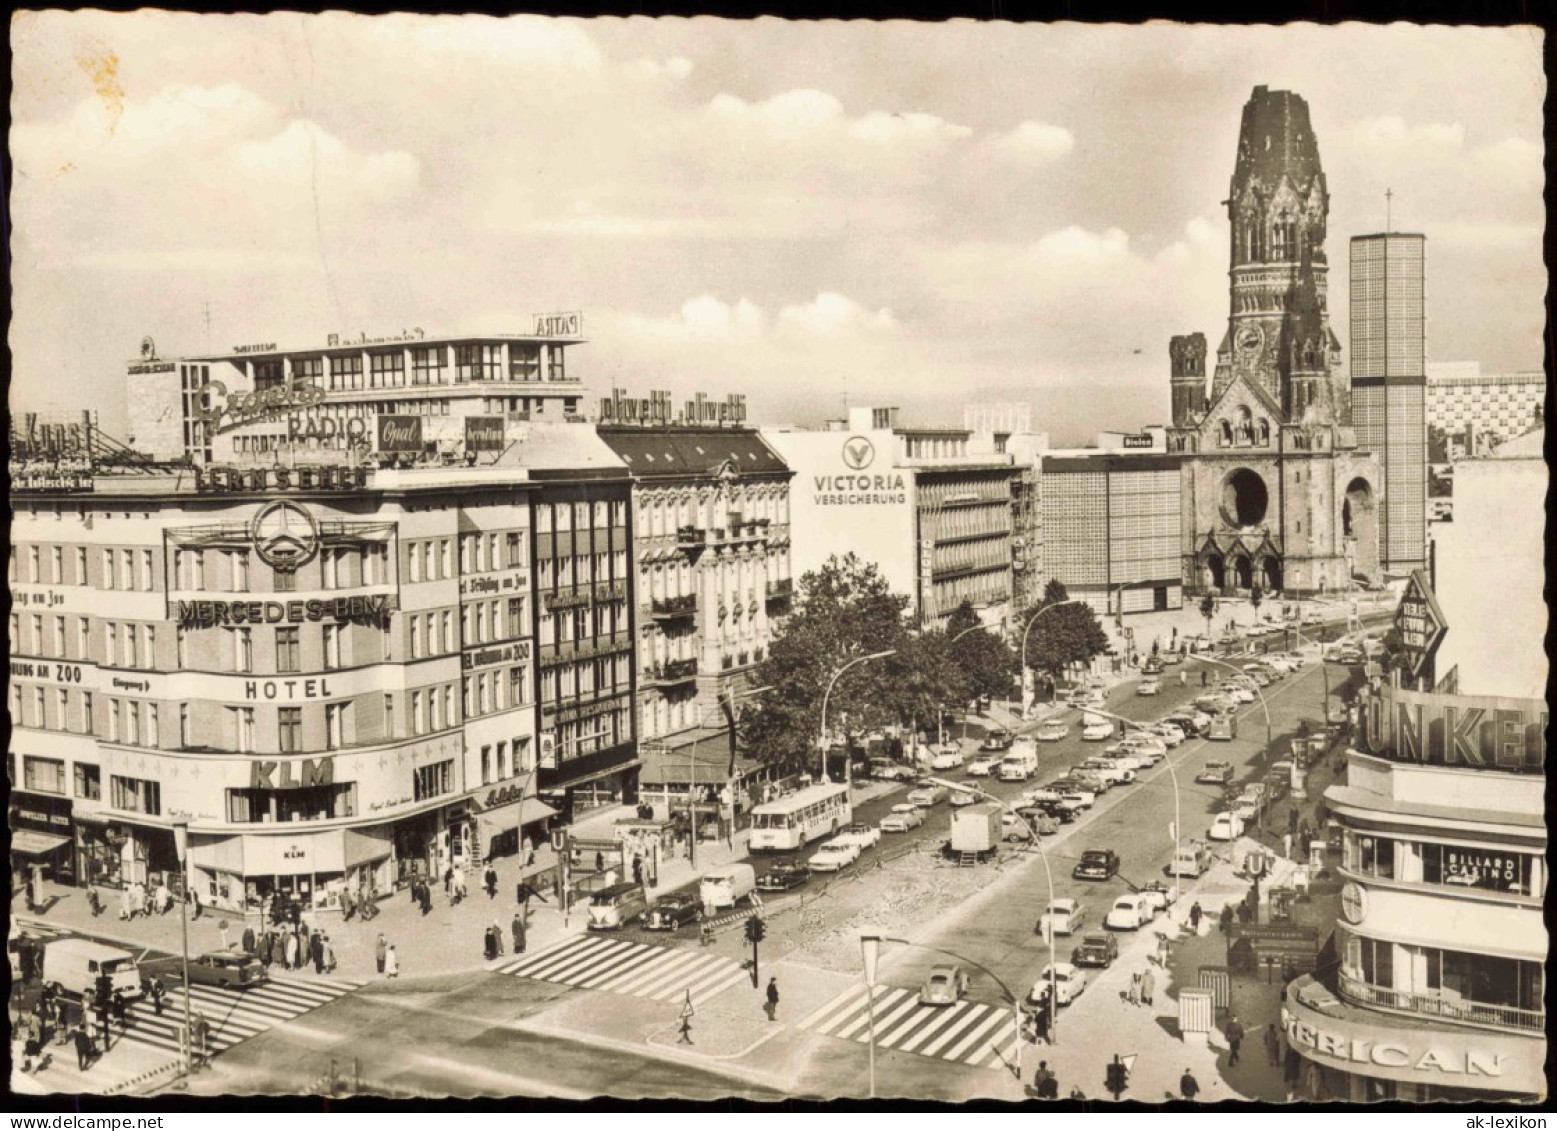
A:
(363, 342)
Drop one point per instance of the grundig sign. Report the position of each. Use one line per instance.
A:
(224, 411)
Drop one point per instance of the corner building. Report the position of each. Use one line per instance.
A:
(1276, 492)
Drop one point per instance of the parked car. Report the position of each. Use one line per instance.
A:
(783, 876)
(223, 968)
(925, 796)
(1197, 720)
(946, 985)
(1246, 809)
(1076, 792)
(866, 836)
(1129, 913)
(672, 912)
(883, 769)
(1097, 732)
(1043, 794)
(1066, 980)
(1216, 772)
(1151, 685)
(1044, 822)
(1063, 917)
(1158, 894)
(946, 758)
(983, 765)
(1241, 693)
(997, 740)
(1111, 770)
(1171, 735)
(1095, 950)
(1052, 731)
(1014, 829)
(1225, 826)
(1097, 864)
(833, 856)
(902, 818)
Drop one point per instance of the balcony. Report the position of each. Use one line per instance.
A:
(570, 651)
(1456, 1010)
(669, 674)
(780, 592)
(673, 608)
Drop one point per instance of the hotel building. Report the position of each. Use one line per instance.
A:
(1440, 991)
(933, 514)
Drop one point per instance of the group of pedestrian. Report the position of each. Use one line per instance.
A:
(1046, 1086)
(294, 947)
(1143, 985)
(385, 957)
(493, 947)
(421, 895)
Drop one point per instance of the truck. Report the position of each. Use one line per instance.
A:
(1020, 762)
(976, 828)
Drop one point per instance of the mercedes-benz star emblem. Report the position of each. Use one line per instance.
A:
(285, 536)
(858, 452)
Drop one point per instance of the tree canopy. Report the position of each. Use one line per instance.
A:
(1069, 635)
(983, 660)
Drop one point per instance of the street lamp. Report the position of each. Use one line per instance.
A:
(1263, 705)
(828, 694)
(1028, 628)
(181, 847)
(692, 782)
(1048, 876)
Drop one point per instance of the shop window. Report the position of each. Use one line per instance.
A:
(89, 781)
(136, 795)
(289, 724)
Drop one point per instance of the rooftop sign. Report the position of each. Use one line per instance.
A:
(657, 409)
(1420, 623)
(569, 324)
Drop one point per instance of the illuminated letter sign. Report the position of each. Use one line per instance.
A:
(1420, 623)
(400, 433)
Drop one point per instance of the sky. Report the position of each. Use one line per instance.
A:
(813, 215)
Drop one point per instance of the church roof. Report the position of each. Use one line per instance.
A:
(1276, 138)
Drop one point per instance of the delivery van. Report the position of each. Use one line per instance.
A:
(727, 886)
(72, 966)
(1020, 762)
(614, 907)
(1190, 859)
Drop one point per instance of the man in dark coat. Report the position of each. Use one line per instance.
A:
(426, 900)
(773, 999)
(157, 992)
(83, 1048)
(316, 950)
(489, 945)
(248, 939)
(1234, 1034)
(1189, 1087)
(491, 877)
(267, 949)
(119, 1006)
(519, 931)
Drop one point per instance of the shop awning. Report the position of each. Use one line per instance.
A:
(517, 813)
(25, 842)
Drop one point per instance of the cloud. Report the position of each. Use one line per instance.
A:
(304, 155)
(832, 315)
(511, 42)
(704, 318)
(675, 69)
(1391, 130)
(815, 115)
(1033, 143)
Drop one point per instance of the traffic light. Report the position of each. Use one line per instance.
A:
(1117, 1078)
(756, 930)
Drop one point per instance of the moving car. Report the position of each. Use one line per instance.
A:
(1052, 731)
(228, 969)
(997, 740)
(1158, 894)
(1097, 732)
(902, 818)
(961, 797)
(1095, 950)
(866, 836)
(1190, 859)
(1241, 693)
(945, 986)
(925, 796)
(1225, 826)
(1246, 809)
(783, 876)
(1171, 735)
(672, 912)
(1075, 792)
(1191, 722)
(1096, 864)
(1110, 770)
(1067, 981)
(1215, 773)
(1153, 666)
(1129, 913)
(1063, 917)
(1149, 686)
(983, 765)
(883, 769)
(946, 758)
(72, 966)
(834, 856)
(727, 886)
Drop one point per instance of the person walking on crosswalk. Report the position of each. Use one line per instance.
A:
(771, 1008)
(391, 963)
(83, 1048)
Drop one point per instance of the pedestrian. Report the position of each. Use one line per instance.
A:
(194, 897)
(491, 878)
(200, 1039)
(291, 951)
(518, 930)
(1234, 1034)
(1202, 677)
(637, 869)
(120, 1007)
(1273, 1045)
(416, 891)
(83, 1048)
(1189, 1087)
(1041, 1019)
(1183, 678)
(380, 950)
(771, 1008)
(329, 955)
(488, 946)
(1286, 845)
(459, 885)
(94, 900)
(1045, 1086)
(104, 1006)
(599, 861)
(1292, 1069)
(1194, 917)
(126, 907)
(316, 948)
(1135, 988)
(158, 992)
(1148, 986)
(348, 905)
(448, 880)
(248, 939)
(426, 900)
(391, 963)
(497, 938)
(529, 860)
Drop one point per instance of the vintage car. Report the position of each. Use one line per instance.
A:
(672, 912)
(1095, 950)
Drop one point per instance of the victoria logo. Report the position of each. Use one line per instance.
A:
(858, 452)
(285, 536)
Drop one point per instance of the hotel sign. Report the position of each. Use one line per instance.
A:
(1420, 623)
(1478, 732)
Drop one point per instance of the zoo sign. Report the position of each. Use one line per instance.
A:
(1420, 623)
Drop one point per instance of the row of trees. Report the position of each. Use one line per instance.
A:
(846, 610)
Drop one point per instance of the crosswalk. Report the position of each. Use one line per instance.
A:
(969, 1032)
(233, 1015)
(620, 966)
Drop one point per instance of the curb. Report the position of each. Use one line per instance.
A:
(135, 1082)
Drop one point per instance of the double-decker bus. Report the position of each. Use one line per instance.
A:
(794, 821)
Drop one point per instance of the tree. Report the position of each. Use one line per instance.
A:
(984, 661)
(1069, 635)
(842, 611)
(1208, 610)
(1256, 595)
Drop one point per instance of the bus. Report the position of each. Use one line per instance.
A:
(794, 821)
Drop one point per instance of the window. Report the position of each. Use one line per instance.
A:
(346, 372)
(413, 562)
(429, 563)
(240, 571)
(433, 781)
(44, 775)
(486, 765)
(132, 723)
(243, 728)
(332, 646)
(515, 552)
(555, 372)
(86, 712)
(197, 569)
(60, 645)
(89, 781)
(34, 572)
(502, 760)
(445, 558)
(386, 370)
(328, 561)
(416, 637)
(334, 714)
(478, 363)
(289, 723)
(15, 634)
(427, 365)
(111, 642)
(448, 631)
(61, 709)
(135, 795)
(108, 567)
(183, 726)
(153, 731)
(516, 686)
(81, 565)
(416, 712)
(465, 552)
(57, 565)
(515, 616)
(448, 705)
(286, 650)
(180, 644)
(148, 644)
(285, 581)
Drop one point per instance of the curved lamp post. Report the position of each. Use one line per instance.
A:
(1048, 877)
(1028, 628)
(181, 847)
(828, 694)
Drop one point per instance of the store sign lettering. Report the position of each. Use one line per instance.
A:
(484, 434)
(504, 796)
(319, 477)
(517, 652)
(567, 325)
(400, 434)
(221, 411)
(1420, 622)
(279, 775)
(373, 608)
(286, 688)
(477, 586)
(326, 430)
(1390, 1054)
(1473, 866)
(1143, 441)
(860, 490)
(1453, 730)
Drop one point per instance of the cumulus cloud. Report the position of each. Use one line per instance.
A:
(704, 318)
(709, 319)
(674, 69)
(831, 315)
(1033, 143)
(1392, 130)
(817, 115)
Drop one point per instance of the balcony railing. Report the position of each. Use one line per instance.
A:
(1448, 1009)
(675, 671)
(783, 587)
(568, 651)
(668, 608)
